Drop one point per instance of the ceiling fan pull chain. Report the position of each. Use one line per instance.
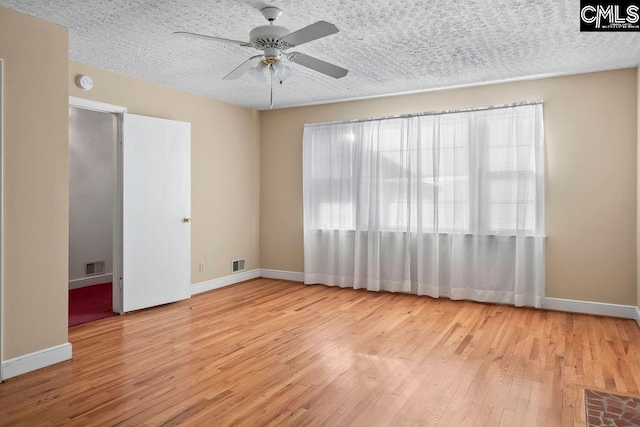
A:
(271, 105)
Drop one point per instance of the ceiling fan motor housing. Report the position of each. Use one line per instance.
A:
(268, 37)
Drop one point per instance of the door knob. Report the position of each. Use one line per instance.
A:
(187, 219)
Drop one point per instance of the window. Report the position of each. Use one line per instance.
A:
(477, 172)
(448, 204)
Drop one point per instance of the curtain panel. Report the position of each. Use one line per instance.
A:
(445, 205)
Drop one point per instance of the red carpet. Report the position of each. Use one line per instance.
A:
(89, 304)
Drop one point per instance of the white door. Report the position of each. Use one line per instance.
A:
(156, 199)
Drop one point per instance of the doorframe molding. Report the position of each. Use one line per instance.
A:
(102, 107)
(1, 219)
(119, 111)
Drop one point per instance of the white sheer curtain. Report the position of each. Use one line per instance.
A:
(445, 205)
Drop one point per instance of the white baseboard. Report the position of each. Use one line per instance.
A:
(36, 360)
(588, 307)
(90, 281)
(282, 275)
(232, 279)
(224, 281)
(559, 304)
(572, 306)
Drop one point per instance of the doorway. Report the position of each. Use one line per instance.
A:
(93, 138)
(151, 204)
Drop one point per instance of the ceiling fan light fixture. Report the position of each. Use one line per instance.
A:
(282, 73)
(277, 66)
(257, 75)
(260, 72)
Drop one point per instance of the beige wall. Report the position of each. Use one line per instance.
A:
(247, 175)
(590, 131)
(225, 164)
(35, 183)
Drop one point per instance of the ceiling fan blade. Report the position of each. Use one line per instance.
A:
(218, 39)
(243, 68)
(318, 65)
(312, 32)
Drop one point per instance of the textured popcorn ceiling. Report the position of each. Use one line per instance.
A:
(389, 46)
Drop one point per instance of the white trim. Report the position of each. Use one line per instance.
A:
(589, 307)
(559, 304)
(438, 89)
(2, 375)
(282, 275)
(118, 215)
(209, 285)
(36, 360)
(90, 281)
(102, 107)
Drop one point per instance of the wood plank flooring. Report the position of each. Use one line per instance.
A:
(269, 352)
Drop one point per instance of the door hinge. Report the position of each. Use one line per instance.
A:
(120, 283)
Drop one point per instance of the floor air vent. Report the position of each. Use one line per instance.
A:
(237, 265)
(94, 267)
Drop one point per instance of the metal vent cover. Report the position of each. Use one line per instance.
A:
(93, 268)
(238, 265)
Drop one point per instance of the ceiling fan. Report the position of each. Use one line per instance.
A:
(274, 41)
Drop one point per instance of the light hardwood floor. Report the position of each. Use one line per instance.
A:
(269, 352)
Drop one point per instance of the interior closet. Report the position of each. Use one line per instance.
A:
(92, 186)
